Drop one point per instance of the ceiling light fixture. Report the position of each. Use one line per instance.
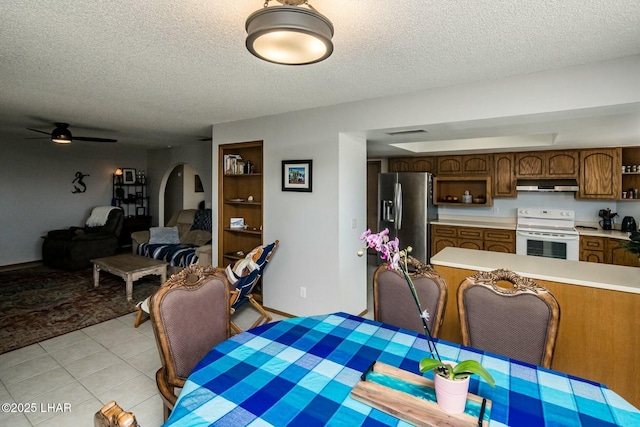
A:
(289, 34)
(61, 135)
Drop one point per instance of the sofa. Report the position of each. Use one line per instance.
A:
(185, 240)
(74, 248)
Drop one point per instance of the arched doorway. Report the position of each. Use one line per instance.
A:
(183, 189)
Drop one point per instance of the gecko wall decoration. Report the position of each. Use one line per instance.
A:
(81, 187)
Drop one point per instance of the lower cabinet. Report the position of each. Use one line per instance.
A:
(483, 239)
(606, 250)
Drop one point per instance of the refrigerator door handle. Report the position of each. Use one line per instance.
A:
(398, 203)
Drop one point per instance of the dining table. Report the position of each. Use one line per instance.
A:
(301, 372)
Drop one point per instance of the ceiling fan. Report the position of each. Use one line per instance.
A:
(62, 135)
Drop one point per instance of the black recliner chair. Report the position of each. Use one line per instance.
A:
(74, 248)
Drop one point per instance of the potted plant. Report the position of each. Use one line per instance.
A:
(451, 379)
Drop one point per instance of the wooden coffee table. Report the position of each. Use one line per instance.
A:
(130, 267)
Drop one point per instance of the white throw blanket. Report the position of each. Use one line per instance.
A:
(99, 216)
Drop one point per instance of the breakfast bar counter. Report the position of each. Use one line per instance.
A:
(599, 311)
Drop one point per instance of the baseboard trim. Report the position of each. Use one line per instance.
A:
(21, 266)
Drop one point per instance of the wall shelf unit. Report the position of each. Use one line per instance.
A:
(237, 183)
(448, 191)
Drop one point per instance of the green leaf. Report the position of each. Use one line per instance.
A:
(428, 364)
(469, 367)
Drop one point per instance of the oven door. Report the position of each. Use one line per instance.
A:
(549, 245)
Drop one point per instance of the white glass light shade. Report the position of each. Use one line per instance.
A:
(61, 136)
(289, 35)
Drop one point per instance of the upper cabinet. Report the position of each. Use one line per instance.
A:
(547, 164)
(472, 164)
(600, 174)
(413, 164)
(631, 174)
(504, 183)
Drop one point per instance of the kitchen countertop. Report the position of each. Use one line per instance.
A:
(501, 223)
(602, 276)
(510, 224)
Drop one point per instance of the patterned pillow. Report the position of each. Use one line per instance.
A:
(164, 235)
(202, 220)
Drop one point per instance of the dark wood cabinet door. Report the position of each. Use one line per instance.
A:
(450, 165)
(476, 164)
(439, 243)
(504, 184)
(562, 164)
(424, 164)
(600, 174)
(592, 256)
(506, 247)
(399, 165)
(618, 255)
(530, 165)
(471, 244)
(444, 230)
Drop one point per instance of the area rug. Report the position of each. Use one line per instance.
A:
(39, 303)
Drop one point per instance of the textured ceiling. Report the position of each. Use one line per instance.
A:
(161, 72)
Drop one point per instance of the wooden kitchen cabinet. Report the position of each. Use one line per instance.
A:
(483, 239)
(617, 255)
(399, 165)
(592, 249)
(606, 250)
(547, 164)
(455, 186)
(630, 180)
(504, 183)
(469, 238)
(471, 164)
(413, 164)
(600, 174)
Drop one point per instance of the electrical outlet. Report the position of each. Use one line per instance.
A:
(303, 292)
(354, 223)
(496, 209)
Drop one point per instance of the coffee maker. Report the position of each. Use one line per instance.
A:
(607, 218)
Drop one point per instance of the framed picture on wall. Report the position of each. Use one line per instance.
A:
(296, 175)
(198, 184)
(128, 176)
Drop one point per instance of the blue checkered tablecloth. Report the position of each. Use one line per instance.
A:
(300, 371)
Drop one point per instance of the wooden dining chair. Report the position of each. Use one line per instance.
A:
(507, 314)
(189, 316)
(394, 304)
(112, 415)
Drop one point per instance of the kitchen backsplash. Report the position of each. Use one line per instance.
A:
(586, 210)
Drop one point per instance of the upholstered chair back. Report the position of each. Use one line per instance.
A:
(519, 320)
(190, 315)
(394, 304)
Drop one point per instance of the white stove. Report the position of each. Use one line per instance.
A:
(547, 233)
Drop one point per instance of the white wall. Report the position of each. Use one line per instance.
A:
(36, 191)
(162, 161)
(311, 226)
(191, 199)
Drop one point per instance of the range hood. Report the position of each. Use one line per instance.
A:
(547, 185)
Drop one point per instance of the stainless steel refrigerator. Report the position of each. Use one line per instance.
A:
(405, 207)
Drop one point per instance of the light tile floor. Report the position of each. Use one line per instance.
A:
(87, 368)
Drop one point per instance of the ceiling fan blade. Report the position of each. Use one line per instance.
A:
(40, 137)
(40, 131)
(84, 138)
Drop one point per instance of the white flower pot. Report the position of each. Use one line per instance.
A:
(451, 395)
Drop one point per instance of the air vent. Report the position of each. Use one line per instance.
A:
(407, 132)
